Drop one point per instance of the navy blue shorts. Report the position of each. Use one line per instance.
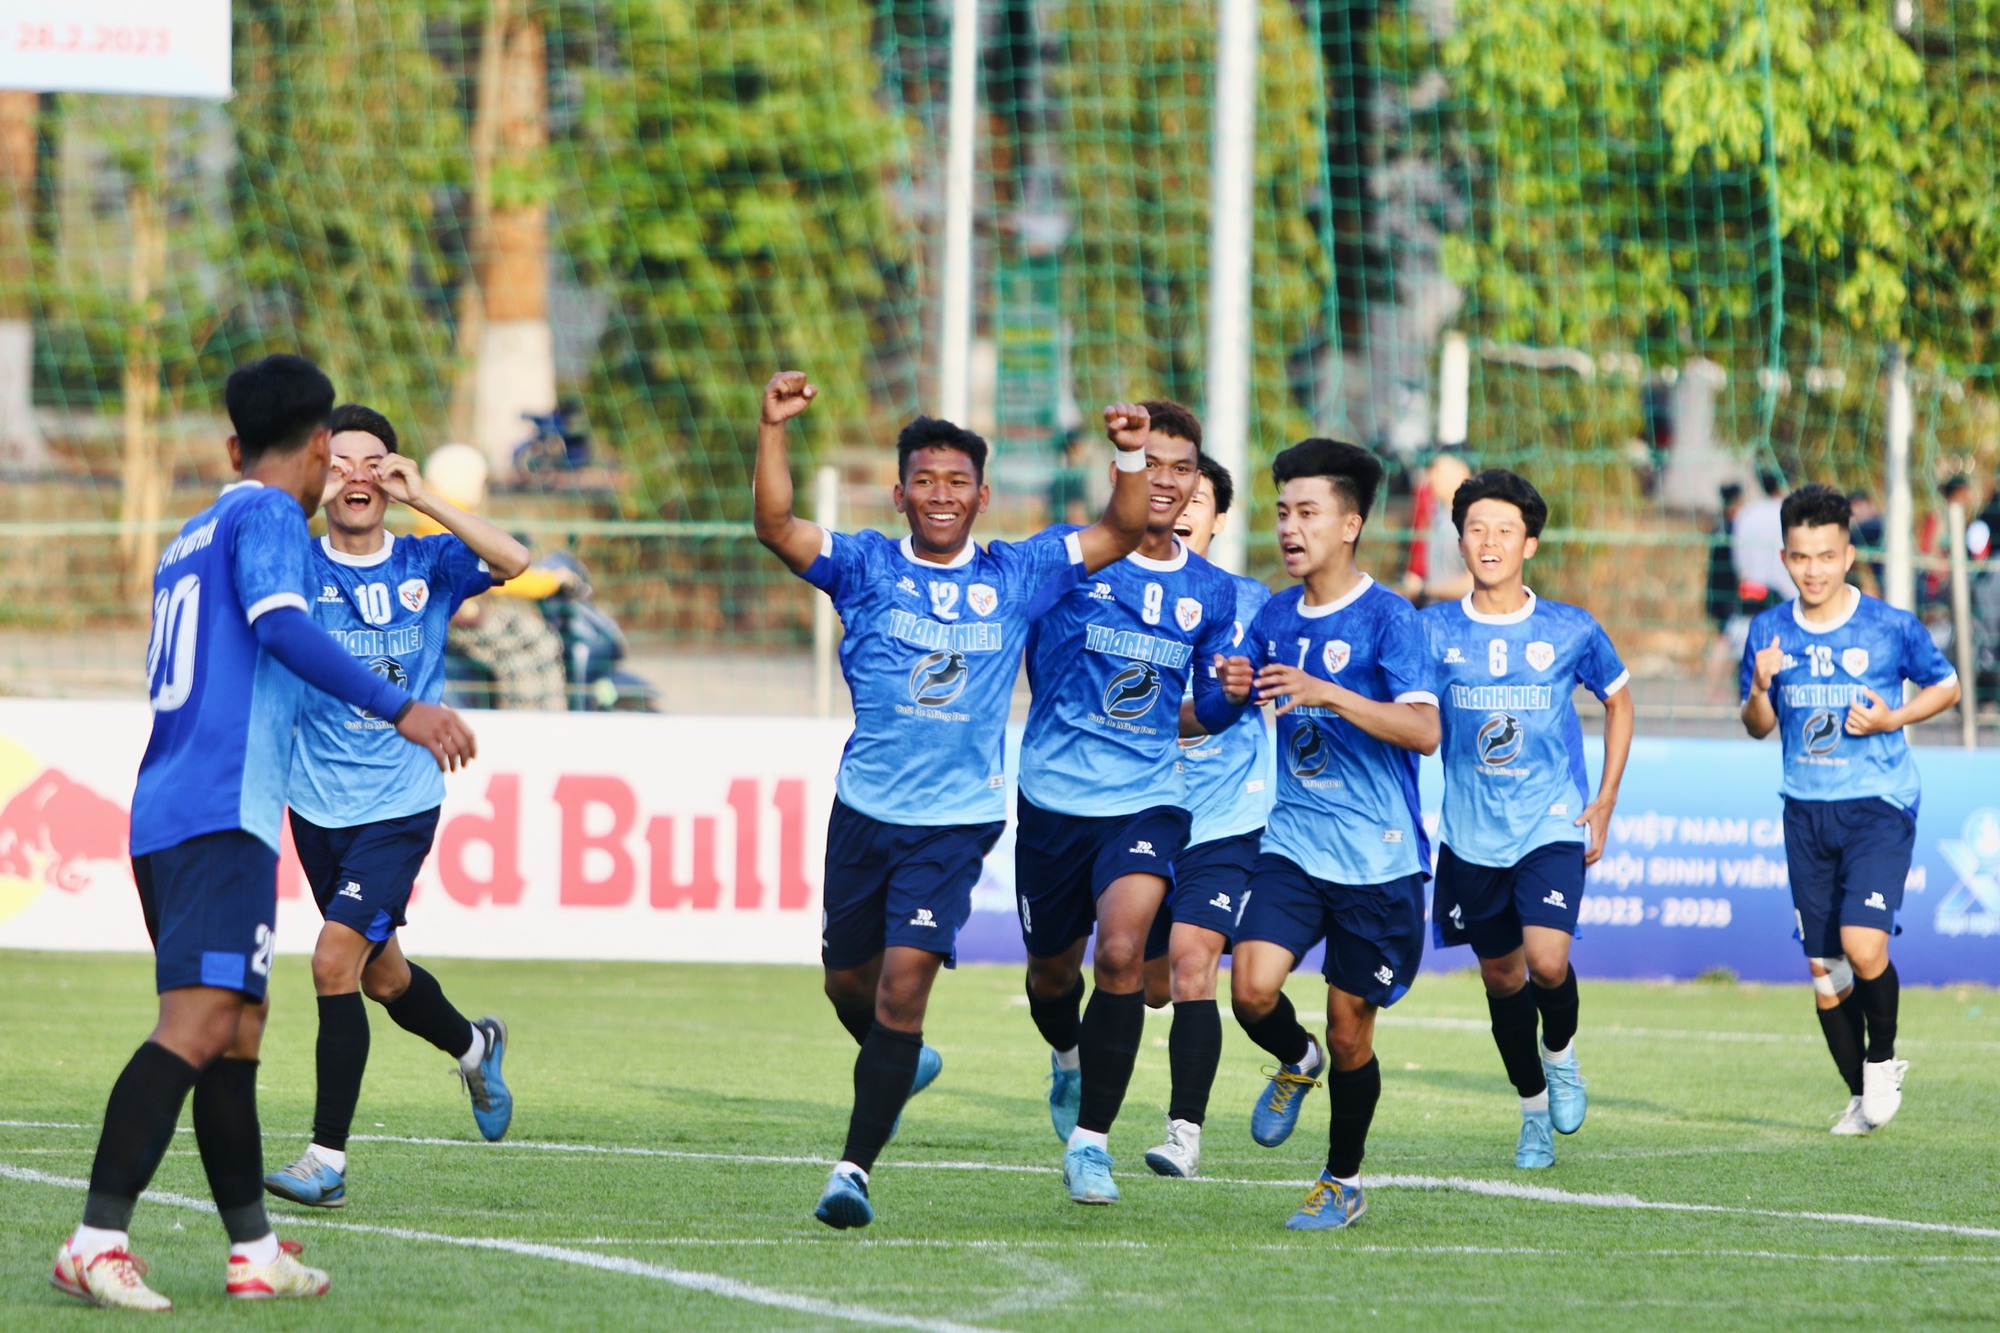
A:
(210, 904)
(362, 876)
(1062, 862)
(1209, 879)
(1848, 861)
(902, 884)
(1486, 906)
(1374, 933)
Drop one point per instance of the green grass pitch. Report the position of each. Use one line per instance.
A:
(674, 1124)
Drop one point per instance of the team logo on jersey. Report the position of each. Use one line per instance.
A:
(1854, 661)
(1541, 656)
(1821, 732)
(1102, 593)
(1307, 753)
(1132, 691)
(1335, 655)
(414, 593)
(944, 600)
(329, 593)
(982, 599)
(389, 669)
(1453, 657)
(907, 584)
(938, 678)
(1188, 612)
(1500, 739)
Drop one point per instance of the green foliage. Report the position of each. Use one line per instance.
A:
(737, 163)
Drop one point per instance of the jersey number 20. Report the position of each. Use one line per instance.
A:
(170, 652)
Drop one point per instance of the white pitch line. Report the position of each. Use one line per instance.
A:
(713, 1284)
(1442, 1023)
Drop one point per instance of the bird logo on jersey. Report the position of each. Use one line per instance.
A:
(1541, 656)
(982, 599)
(414, 593)
(1821, 732)
(1500, 739)
(1335, 655)
(1132, 691)
(1854, 661)
(1188, 612)
(1307, 752)
(938, 678)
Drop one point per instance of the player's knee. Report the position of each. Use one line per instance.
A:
(1194, 978)
(1248, 1000)
(1051, 978)
(1350, 1044)
(385, 988)
(1119, 965)
(846, 990)
(1503, 976)
(1833, 977)
(1549, 971)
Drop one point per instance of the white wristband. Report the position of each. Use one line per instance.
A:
(1131, 460)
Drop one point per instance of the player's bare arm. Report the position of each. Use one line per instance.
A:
(401, 481)
(1410, 726)
(787, 536)
(1875, 717)
(1759, 716)
(1122, 527)
(1619, 715)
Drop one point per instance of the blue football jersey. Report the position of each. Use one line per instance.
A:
(1514, 777)
(1229, 775)
(1346, 807)
(1827, 667)
(930, 656)
(223, 708)
(1108, 667)
(391, 610)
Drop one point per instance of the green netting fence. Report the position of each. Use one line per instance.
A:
(1679, 243)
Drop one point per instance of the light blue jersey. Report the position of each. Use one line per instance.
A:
(391, 610)
(1346, 808)
(1514, 777)
(930, 656)
(222, 707)
(1229, 776)
(1828, 667)
(1109, 667)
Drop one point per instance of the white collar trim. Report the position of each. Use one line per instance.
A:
(359, 561)
(239, 485)
(1828, 627)
(959, 561)
(1345, 600)
(1167, 566)
(1510, 618)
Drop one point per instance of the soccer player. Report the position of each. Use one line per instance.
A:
(1820, 670)
(1345, 856)
(1102, 803)
(231, 641)
(935, 631)
(1519, 824)
(1229, 798)
(364, 805)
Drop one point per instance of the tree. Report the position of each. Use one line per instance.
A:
(21, 443)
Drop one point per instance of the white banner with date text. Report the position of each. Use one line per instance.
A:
(162, 48)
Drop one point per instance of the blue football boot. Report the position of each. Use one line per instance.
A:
(492, 1104)
(1276, 1113)
(844, 1202)
(1087, 1173)
(1329, 1206)
(1065, 1097)
(1567, 1101)
(1537, 1147)
(311, 1182)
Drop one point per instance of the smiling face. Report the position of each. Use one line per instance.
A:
(1316, 527)
(356, 508)
(1173, 467)
(1495, 543)
(1199, 521)
(1818, 558)
(940, 494)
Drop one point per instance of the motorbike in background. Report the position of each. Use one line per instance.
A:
(593, 650)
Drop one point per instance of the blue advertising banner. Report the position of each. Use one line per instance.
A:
(1693, 876)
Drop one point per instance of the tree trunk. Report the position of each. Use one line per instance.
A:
(21, 444)
(143, 499)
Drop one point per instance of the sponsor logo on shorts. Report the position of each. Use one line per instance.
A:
(1221, 900)
(1384, 974)
(1875, 901)
(924, 918)
(1141, 848)
(1555, 898)
(350, 890)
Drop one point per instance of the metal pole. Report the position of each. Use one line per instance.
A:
(1226, 420)
(1961, 629)
(1454, 391)
(1898, 509)
(826, 512)
(955, 333)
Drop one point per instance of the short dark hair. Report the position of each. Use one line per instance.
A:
(1731, 493)
(1957, 482)
(1170, 418)
(276, 403)
(353, 416)
(1218, 480)
(1815, 506)
(937, 433)
(1772, 480)
(1354, 473)
(1497, 483)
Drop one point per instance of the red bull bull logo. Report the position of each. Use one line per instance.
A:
(55, 833)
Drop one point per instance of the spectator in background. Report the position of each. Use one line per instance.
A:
(1723, 601)
(1436, 570)
(1989, 517)
(1757, 543)
(1934, 540)
(1868, 537)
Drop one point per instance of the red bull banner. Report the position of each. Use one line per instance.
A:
(573, 836)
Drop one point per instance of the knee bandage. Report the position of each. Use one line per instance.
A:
(1839, 976)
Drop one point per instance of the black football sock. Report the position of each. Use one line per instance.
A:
(1194, 1052)
(342, 1055)
(1514, 1033)
(884, 1069)
(1353, 1093)
(1558, 1005)
(232, 1146)
(1057, 1017)
(139, 1122)
(857, 1019)
(1880, 998)
(1842, 1026)
(423, 1010)
(1108, 1043)
(1279, 1032)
